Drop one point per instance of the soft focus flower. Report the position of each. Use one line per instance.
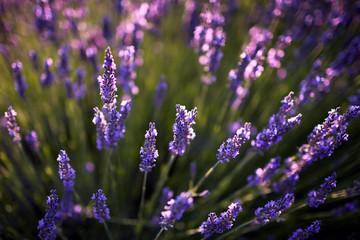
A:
(12, 128)
(32, 139)
(66, 172)
(302, 234)
(20, 83)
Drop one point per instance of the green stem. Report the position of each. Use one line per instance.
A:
(107, 231)
(236, 229)
(140, 222)
(207, 174)
(158, 235)
(107, 167)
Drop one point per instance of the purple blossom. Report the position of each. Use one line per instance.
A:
(127, 70)
(274, 208)
(66, 204)
(216, 224)
(236, 76)
(91, 54)
(355, 99)
(48, 77)
(45, 19)
(160, 92)
(230, 148)
(79, 87)
(262, 176)
(302, 234)
(32, 139)
(66, 172)
(278, 125)
(64, 63)
(34, 59)
(20, 83)
(12, 128)
(315, 198)
(174, 209)
(100, 122)
(183, 131)
(326, 137)
(148, 153)
(100, 210)
(346, 208)
(106, 28)
(47, 225)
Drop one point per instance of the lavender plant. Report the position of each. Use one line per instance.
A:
(303, 54)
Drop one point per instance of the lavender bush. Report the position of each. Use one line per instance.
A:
(246, 106)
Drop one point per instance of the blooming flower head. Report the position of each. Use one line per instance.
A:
(66, 172)
(12, 128)
(230, 148)
(262, 176)
(100, 210)
(100, 122)
(20, 83)
(216, 224)
(64, 63)
(183, 131)
(148, 153)
(160, 92)
(318, 197)
(278, 125)
(32, 139)
(274, 208)
(127, 70)
(174, 209)
(302, 234)
(48, 77)
(47, 225)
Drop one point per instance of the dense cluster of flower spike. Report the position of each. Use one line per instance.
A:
(230, 148)
(274, 208)
(66, 172)
(47, 225)
(216, 224)
(127, 72)
(45, 19)
(48, 77)
(100, 210)
(160, 92)
(34, 59)
(64, 63)
(32, 139)
(302, 234)
(315, 198)
(174, 209)
(148, 153)
(20, 83)
(79, 87)
(209, 38)
(262, 176)
(110, 124)
(183, 131)
(11, 126)
(278, 125)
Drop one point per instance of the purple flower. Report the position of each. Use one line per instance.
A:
(302, 234)
(230, 148)
(91, 54)
(32, 139)
(106, 28)
(20, 83)
(47, 78)
(183, 131)
(127, 70)
(355, 99)
(148, 153)
(34, 59)
(274, 208)
(12, 128)
(100, 122)
(326, 137)
(66, 204)
(66, 172)
(100, 210)
(108, 82)
(278, 126)
(160, 92)
(79, 87)
(45, 19)
(64, 64)
(174, 209)
(216, 224)
(346, 208)
(318, 197)
(262, 176)
(47, 225)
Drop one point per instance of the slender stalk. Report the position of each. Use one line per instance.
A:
(236, 229)
(107, 231)
(143, 190)
(107, 167)
(207, 174)
(158, 235)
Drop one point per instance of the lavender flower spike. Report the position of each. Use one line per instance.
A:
(230, 148)
(47, 78)
(100, 122)
(66, 172)
(301, 234)
(47, 225)
(148, 153)
(32, 139)
(100, 211)
(274, 208)
(12, 128)
(174, 209)
(278, 125)
(216, 224)
(108, 82)
(20, 83)
(183, 132)
(318, 197)
(262, 176)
